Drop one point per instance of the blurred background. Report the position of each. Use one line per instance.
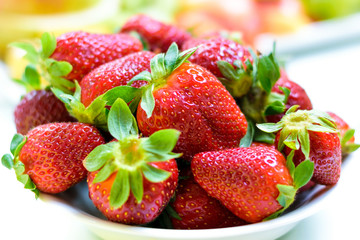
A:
(319, 40)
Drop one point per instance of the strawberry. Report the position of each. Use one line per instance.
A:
(115, 73)
(74, 54)
(198, 210)
(215, 53)
(309, 135)
(187, 97)
(297, 96)
(39, 107)
(346, 135)
(252, 182)
(50, 157)
(157, 35)
(132, 179)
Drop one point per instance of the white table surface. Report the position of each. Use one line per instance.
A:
(331, 79)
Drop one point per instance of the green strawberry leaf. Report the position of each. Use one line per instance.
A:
(277, 102)
(286, 198)
(120, 189)
(304, 142)
(162, 141)
(99, 156)
(95, 113)
(136, 184)
(148, 101)
(269, 127)
(127, 93)
(249, 136)
(157, 66)
(172, 213)
(7, 161)
(60, 68)
(264, 137)
(154, 174)
(347, 136)
(17, 143)
(183, 56)
(351, 147)
(268, 72)
(121, 122)
(290, 164)
(303, 173)
(287, 195)
(31, 55)
(105, 173)
(30, 79)
(48, 45)
(171, 57)
(143, 76)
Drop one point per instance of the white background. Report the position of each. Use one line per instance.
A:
(331, 79)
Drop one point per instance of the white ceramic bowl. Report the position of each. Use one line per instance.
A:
(76, 200)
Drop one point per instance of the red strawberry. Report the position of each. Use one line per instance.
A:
(86, 51)
(52, 154)
(189, 98)
(74, 54)
(155, 196)
(198, 210)
(312, 136)
(132, 179)
(115, 73)
(159, 36)
(297, 96)
(245, 180)
(346, 135)
(218, 49)
(39, 107)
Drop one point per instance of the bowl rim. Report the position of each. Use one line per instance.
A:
(316, 203)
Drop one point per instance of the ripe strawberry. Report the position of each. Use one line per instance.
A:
(51, 155)
(297, 96)
(310, 135)
(155, 196)
(74, 54)
(189, 98)
(39, 107)
(115, 73)
(86, 51)
(198, 210)
(159, 36)
(248, 181)
(132, 179)
(346, 135)
(211, 51)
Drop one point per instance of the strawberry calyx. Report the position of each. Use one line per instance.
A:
(301, 175)
(162, 65)
(259, 101)
(95, 114)
(294, 127)
(238, 78)
(11, 161)
(40, 64)
(348, 146)
(129, 155)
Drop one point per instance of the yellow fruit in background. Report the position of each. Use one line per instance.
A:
(17, 26)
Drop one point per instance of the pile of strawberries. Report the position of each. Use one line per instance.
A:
(212, 135)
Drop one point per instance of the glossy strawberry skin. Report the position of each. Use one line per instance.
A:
(243, 179)
(86, 51)
(325, 152)
(54, 152)
(194, 102)
(39, 107)
(198, 210)
(158, 35)
(212, 50)
(298, 96)
(115, 73)
(156, 197)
